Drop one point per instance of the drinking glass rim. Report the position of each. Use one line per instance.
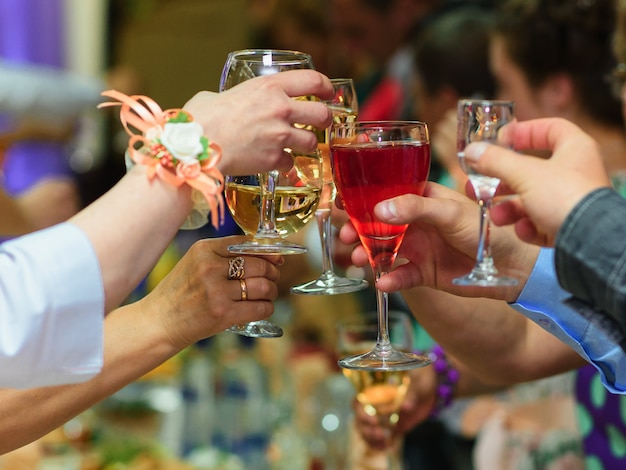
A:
(482, 101)
(261, 52)
(382, 124)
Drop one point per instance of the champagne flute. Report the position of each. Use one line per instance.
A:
(241, 66)
(344, 107)
(371, 162)
(381, 392)
(480, 120)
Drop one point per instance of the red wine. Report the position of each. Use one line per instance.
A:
(367, 173)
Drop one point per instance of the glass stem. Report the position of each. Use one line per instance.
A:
(383, 344)
(325, 229)
(267, 225)
(484, 260)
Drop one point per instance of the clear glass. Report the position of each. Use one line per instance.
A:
(372, 162)
(480, 120)
(344, 106)
(380, 392)
(239, 67)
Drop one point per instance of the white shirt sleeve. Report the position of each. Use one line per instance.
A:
(51, 309)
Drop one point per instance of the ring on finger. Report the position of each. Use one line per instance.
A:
(244, 289)
(236, 268)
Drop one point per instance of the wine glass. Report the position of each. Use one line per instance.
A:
(241, 66)
(296, 197)
(480, 120)
(371, 162)
(344, 107)
(380, 392)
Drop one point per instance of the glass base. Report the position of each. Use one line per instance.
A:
(391, 360)
(257, 329)
(269, 247)
(330, 284)
(484, 279)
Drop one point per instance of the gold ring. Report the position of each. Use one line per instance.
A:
(244, 289)
(235, 268)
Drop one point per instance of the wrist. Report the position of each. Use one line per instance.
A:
(447, 378)
(172, 149)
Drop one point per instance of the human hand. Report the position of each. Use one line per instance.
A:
(547, 189)
(254, 121)
(197, 300)
(440, 244)
(416, 407)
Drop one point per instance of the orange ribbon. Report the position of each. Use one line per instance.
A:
(142, 114)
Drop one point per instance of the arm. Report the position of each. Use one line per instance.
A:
(487, 335)
(194, 301)
(121, 235)
(27, 91)
(589, 256)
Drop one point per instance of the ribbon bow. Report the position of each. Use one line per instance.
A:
(144, 121)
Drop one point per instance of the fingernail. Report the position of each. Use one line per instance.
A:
(475, 150)
(388, 209)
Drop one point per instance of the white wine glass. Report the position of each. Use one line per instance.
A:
(380, 392)
(296, 196)
(480, 121)
(241, 66)
(344, 107)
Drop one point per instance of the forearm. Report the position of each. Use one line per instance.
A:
(590, 255)
(134, 345)
(130, 227)
(496, 343)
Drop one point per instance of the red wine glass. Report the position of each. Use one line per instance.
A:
(372, 162)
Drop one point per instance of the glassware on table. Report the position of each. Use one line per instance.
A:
(241, 66)
(372, 162)
(381, 392)
(296, 196)
(344, 107)
(480, 120)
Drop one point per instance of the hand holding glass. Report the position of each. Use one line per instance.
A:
(271, 205)
(380, 392)
(239, 67)
(480, 120)
(372, 162)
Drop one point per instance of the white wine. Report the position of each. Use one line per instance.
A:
(380, 391)
(340, 115)
(294, 206)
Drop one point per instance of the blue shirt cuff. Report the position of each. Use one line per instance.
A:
(542, 301)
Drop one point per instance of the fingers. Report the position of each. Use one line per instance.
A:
(303, 82)
(375, 435)
(435, 207)
(254, 288)
(507, 211)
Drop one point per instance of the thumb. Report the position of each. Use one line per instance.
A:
(499, 162)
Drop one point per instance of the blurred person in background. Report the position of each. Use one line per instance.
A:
(552, 74)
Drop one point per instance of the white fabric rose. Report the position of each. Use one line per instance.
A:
(182, 140)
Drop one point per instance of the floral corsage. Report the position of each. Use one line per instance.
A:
(174, 148)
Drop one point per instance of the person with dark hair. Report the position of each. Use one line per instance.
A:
(451, 58)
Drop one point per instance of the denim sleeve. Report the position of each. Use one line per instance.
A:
(590, 254)
(544, 302)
